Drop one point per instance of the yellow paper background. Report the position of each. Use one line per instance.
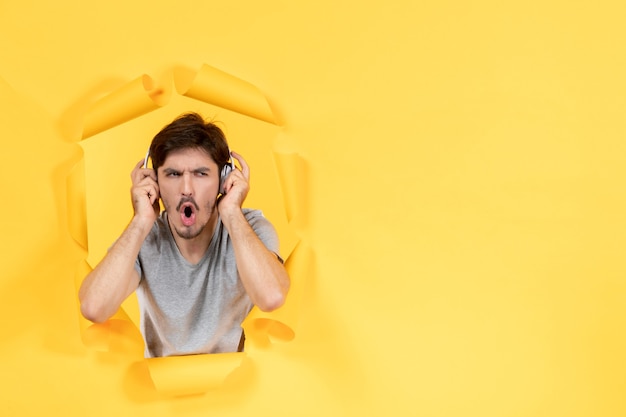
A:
(463, 167)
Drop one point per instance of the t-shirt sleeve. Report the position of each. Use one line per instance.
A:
(264, 230)
(149, 248)
(138, 268)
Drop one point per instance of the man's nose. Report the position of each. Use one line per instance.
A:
(187, 186)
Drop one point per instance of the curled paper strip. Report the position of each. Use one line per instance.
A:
(224, 90)
(132, 100)
(192, 374)
(143, 95)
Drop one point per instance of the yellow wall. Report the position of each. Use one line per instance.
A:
(462, 199)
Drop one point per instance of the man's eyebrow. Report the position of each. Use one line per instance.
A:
(195, 170)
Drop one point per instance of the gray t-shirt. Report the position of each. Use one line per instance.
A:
(190, 309)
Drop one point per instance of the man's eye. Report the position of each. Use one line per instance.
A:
(173, 174)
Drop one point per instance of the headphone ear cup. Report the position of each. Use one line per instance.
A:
(225, 171)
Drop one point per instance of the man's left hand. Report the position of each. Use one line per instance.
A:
(236, 188)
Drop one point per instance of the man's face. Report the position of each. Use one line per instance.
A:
(188, 184)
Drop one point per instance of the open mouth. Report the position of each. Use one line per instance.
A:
(188, 214)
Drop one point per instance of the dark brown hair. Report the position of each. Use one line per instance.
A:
(190, 130)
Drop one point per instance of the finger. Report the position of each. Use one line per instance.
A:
(149, 173)
(245, 169)
(144, 182)
(230, 184)
(139, 175)
(149, 192)
(237, 178)
(152, 192)
(134, 173)
(154, 197)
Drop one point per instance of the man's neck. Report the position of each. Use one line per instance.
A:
(194, 249)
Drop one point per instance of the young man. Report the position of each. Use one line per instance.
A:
(199, 266)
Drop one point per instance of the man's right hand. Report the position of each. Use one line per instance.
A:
(145, 193)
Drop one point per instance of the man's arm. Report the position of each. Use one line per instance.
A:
(115, 278)
(263, 276)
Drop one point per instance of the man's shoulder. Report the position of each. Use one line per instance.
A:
(250, 213)
(255, 217)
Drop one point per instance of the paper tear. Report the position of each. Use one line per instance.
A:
(184, 375)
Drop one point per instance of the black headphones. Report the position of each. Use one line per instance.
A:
(227, 169)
